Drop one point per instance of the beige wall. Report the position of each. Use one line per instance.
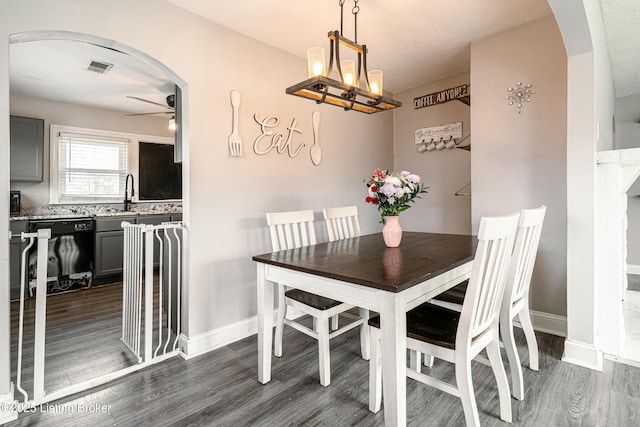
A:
(60, 113)
(519, 160)
(228, 197)
(444, 172)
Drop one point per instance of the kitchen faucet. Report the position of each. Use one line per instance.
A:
(127, 199)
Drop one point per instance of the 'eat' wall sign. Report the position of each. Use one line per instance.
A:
(446, 95)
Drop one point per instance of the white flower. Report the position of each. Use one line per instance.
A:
(394, 180)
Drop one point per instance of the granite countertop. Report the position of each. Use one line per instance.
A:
(97, 211)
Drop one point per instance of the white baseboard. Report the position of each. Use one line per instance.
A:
(582, 354)
(549, 323)
(633, 269)
(7, 412)
(208, 341)
(212, 340)
(622, 360)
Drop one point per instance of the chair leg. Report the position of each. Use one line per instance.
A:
(375, 372)
(415, 360)
(465, 388)
(506, 331)
(493, 352)
(322, 328)
(282, 311)
(532, 343)
(365, 344)
(428, 360)
(334, 322)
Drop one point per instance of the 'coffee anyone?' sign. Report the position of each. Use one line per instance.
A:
(442, 96)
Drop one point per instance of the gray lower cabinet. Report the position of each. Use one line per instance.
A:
(109, 241)
(16, 246)
(27, 149)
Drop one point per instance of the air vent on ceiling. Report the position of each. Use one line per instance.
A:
(99, 67)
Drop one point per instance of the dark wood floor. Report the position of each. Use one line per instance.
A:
(220, 388)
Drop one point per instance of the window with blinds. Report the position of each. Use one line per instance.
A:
(91, 168)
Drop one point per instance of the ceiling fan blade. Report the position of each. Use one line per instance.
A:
(150, 102)
(147, 114)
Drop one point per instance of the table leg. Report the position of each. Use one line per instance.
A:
(393, 334)
(265, 324)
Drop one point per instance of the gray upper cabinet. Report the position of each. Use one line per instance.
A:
(27, 149)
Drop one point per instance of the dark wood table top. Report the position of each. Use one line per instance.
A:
(365, 260)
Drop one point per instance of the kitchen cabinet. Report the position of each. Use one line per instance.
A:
(16, 246)
(27, 149)
(109, 239)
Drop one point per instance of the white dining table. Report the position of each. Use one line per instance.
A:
(362, 271)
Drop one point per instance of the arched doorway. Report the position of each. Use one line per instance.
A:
(181, 135)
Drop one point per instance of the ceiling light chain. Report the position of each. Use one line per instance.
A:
(355, 11)
(341, 3)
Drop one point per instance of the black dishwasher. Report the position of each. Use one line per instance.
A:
(70, 254)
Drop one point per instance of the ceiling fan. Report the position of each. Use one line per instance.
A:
(171, 105)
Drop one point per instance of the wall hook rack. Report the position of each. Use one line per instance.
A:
(439, 137)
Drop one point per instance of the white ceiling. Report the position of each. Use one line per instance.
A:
(621, 22)
(57, 70)
(413, 41)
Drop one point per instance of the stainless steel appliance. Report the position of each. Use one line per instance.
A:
(71, 252)
(14, 203)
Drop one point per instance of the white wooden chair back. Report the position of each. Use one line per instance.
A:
(290, 230)
(481, 307)
(524, 253)
(342, 223)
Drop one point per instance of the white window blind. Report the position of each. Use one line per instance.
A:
(91, 167)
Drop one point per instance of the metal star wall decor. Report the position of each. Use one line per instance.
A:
(519, 94)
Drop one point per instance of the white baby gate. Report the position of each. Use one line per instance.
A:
(43, 236)
(139, 243)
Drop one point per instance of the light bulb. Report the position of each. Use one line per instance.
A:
(374, 88)
(317, 68)
(348, 79)
(172, 124)
(348, 72)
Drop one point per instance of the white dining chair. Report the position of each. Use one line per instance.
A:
(342, 223)
(290, 230)
(458, 337)
(516, 296)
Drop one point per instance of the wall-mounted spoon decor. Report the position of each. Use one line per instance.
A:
(315, 150)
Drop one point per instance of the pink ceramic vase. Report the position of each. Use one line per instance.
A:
(392, 232)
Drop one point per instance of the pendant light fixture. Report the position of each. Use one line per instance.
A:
(344, 92)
